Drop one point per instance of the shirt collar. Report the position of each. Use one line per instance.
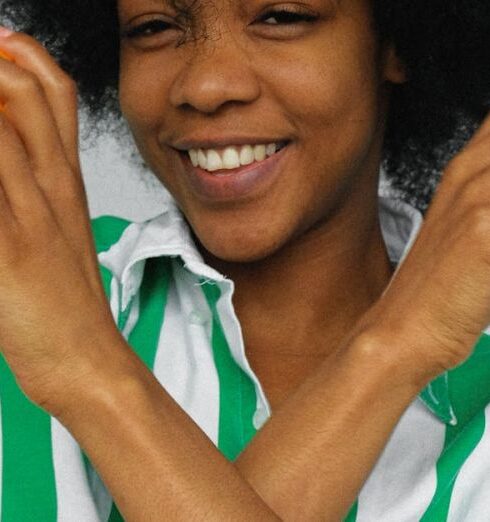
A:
(168, 234)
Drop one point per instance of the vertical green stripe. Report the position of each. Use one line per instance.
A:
(153, 300)
(145, 335)
(458, 446)
(237, 392)
(28, 481)
(107, 230)
(352, 516)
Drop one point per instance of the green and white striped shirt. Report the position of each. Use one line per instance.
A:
(177, 314)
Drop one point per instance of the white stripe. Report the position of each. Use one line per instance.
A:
(102, 498)
(114, 301)
(404, 480)
(184, 361)
(471, 493)
(74, 498)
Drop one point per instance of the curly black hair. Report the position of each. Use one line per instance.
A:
(444, 44)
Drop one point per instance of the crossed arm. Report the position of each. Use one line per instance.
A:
(153, 458)
(156, 461)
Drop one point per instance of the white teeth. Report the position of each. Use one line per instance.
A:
(270, 149)
(259, 152)
(214, 161)
(202, 159)
(194, 157)
(231, 157)
(247, 155)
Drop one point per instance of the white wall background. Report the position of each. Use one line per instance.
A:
(116, 185)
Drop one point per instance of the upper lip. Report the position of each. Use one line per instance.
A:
(220, 141)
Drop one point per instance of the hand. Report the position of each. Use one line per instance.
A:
(439, 301)
(52, 303)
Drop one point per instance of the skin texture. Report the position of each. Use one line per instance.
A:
(158, 461)
(314, 84)
(323, 85)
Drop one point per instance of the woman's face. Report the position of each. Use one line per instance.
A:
(243, 72)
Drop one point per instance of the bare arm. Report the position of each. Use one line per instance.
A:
(153, 458)
(156, 461)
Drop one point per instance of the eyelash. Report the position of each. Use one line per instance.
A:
(155, 26)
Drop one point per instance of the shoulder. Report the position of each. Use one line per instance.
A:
(107, 230)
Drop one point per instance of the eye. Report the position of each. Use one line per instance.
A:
(287, 17)
(146, 29)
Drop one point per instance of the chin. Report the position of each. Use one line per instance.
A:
(239, 248)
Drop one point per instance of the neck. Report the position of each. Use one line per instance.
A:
(298, 305)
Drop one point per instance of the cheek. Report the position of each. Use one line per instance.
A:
(339, 92)
(330, 91)
(142, 111)
(145, 113)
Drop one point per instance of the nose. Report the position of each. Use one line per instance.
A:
(218, 72)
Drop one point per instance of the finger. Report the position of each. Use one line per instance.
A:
(68, 201)
(9, 58)
(28, 108)
(27, 204)
(23, 203)
(472, 159)
(18, 185)
(60, 90)
(67, 198)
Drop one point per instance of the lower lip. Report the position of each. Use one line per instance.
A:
(235, 184)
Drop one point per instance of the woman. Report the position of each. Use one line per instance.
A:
(291, 255)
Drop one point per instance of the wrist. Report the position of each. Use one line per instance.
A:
(88, 381)
(385, 358)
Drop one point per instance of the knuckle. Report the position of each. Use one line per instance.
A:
(474, 192)
(64, 85)
(65, 193)
(457, 167)
(477, 223)
(28, 84)
(463, 168)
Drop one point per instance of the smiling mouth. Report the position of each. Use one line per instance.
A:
(227, 171)
(232, 185)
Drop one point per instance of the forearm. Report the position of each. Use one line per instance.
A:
(310, 460)
(156, 461)
(153, 458)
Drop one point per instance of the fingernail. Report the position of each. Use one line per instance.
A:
(5, 32)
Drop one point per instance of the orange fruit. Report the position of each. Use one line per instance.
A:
(6, 56)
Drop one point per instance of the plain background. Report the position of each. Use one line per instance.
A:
(115, 184)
